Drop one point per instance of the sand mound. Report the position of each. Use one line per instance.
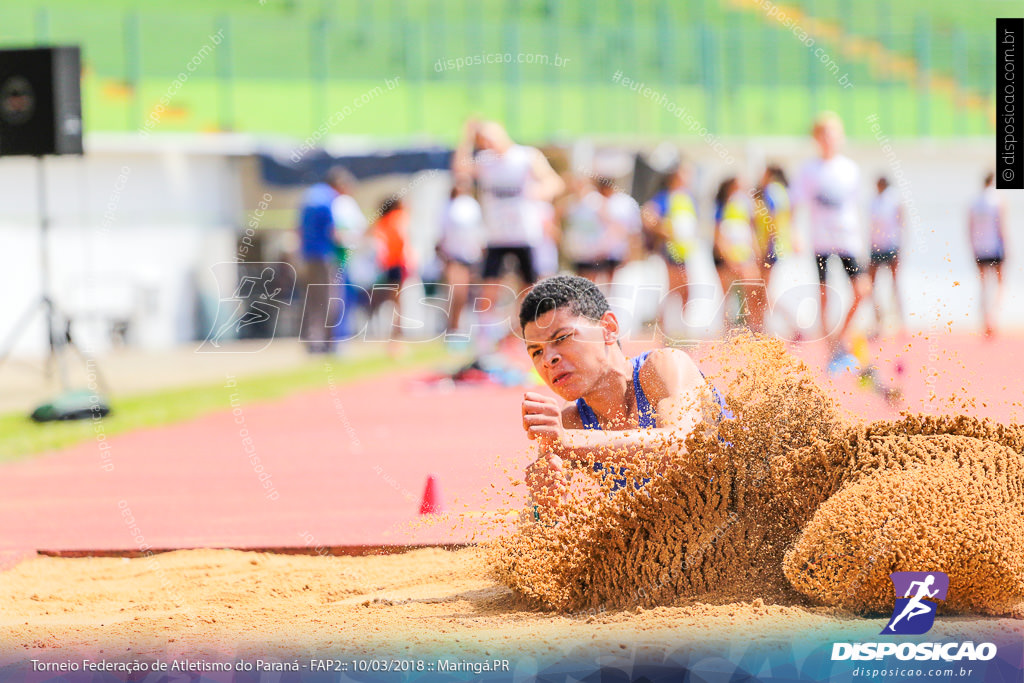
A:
(790, 495)
(917, 501)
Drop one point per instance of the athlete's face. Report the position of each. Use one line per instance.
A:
(570, 352)
(492, 136)
(829, 136)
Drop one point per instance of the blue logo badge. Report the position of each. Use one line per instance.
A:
(917, 598)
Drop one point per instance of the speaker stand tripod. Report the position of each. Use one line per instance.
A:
(58, 328)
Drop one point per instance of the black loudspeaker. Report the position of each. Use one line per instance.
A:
(647, 180)
(40, 101)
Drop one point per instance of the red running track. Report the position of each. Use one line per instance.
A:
(347, 465)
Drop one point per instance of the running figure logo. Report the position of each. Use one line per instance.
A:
(255, 300)
(917, 596)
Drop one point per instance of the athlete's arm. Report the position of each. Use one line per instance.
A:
(462, 159)
(549, 183)
(546, 477)
(673, 385)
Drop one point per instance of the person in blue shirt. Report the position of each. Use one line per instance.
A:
(323, 205)
(613, 404)
(672, 227)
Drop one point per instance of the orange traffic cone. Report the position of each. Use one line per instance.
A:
(432, 502)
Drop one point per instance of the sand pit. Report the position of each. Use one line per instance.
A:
(221, 604)
(793, 503)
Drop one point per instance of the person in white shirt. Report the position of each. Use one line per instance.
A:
(986, 226)
(460, 247)
(349, 220)
(620, 216)
(357, 255)
(828, 186)
(583, 231)
(602, 229)
(511, 180)
(509, 177)
(886, 229)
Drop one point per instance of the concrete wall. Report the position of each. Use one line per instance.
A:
(130, 226)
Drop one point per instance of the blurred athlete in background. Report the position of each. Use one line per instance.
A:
(511, 179)
(734, 253)
(886, 233)
(829, 187)
(986, 226)
(670, 220)
(461, 248)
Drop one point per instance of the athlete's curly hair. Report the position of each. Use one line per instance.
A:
(580, 295)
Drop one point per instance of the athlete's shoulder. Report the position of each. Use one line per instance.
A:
(344, 202)
(847, 163)
(667, 371)
(624, 207)
(320, 193)
(666, 357)
(571, 416)
(776, 191)
(524, 152)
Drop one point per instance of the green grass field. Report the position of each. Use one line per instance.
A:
(285, 67)
(20, 437)
(544, 112)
